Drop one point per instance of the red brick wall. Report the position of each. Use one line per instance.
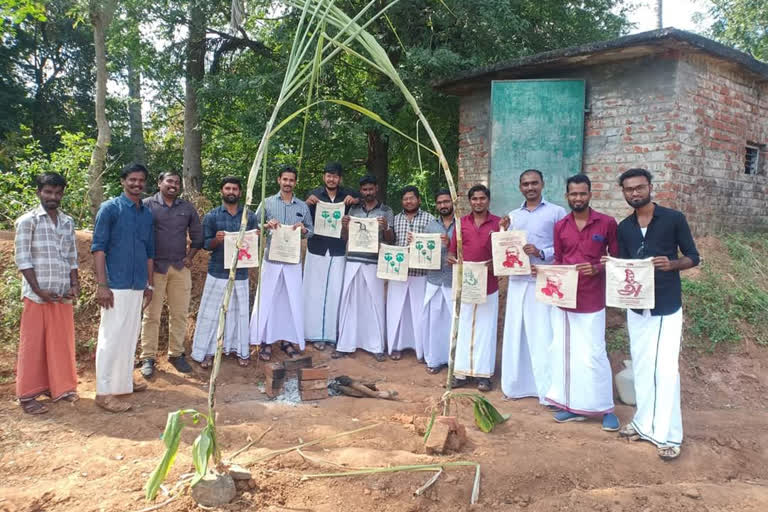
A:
(474, 144)
(723, 108)
(633, 121)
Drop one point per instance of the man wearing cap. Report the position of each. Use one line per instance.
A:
(362, 321)
(324, 264)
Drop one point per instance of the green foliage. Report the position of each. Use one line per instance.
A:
(617, 339)
(485, 414)
(13, 12)
(741, 23)
(50, 60)
(722, 305)
(708, 312)
(10, 307)
(202, 449)
(17, 184)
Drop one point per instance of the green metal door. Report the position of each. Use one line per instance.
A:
(535, 124)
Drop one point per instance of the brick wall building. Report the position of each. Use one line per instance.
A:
(690, 110)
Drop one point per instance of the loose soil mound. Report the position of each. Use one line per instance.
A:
(81, 458)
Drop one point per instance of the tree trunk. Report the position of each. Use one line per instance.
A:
(101, 16)
(378, 160)
(134, 114)
(195, 71)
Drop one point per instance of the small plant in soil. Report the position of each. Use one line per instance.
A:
(203, 448)
(485, 414)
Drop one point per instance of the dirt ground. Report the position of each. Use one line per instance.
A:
(78, 457)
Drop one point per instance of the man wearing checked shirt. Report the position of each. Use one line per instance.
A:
(405, 300)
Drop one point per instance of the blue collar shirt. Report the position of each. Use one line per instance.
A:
(124, 231)
(219, 219)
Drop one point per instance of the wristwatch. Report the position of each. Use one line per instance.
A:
(150, 288)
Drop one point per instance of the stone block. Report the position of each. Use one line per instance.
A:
(214, 490)
(313, 394)
(309, 385)
(292, 365)
(437, 442)
(313, 373)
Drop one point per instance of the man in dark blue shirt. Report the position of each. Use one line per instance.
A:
(216, 224)
(123, 250)
(653, 231)
(324, 264)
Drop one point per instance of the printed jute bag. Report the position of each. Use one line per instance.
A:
(474, 286)
(247, 255)
(557, 285)
(328, 219)
(509, 259)
(393, 263)
(285, 244)
(630, 283)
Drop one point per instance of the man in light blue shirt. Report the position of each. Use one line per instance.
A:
(525, 368)
(278, 314)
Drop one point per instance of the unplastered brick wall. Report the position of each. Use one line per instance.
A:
(683, 116)
(630, 123)
(725, 108)
(633, 120)
(474, 143)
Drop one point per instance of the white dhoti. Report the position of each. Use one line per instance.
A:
(323, 279)
(476, 344)
(361, 316)
(280, 309)
(525, 364)
(405, 302)
(436, 325)
(581, 380)
(235, 323)
(118, 335)
(654, 343)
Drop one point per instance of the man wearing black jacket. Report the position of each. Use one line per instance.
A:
(324, 264)
(653, 231)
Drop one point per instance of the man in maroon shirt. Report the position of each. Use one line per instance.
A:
(476, 344)
(581, 377)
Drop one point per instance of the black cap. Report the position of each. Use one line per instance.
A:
(333, 168)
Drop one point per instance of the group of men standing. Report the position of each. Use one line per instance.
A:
(142, 256)
(558, 354)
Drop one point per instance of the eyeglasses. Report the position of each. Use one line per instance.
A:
(631, 190)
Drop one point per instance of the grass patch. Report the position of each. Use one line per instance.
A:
(617, 339)
(10, 308)
(722, 305)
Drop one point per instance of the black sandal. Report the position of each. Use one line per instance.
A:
(265, 352)
(289, 349)
(33, 407)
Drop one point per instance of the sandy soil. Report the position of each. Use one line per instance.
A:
(79, 457)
